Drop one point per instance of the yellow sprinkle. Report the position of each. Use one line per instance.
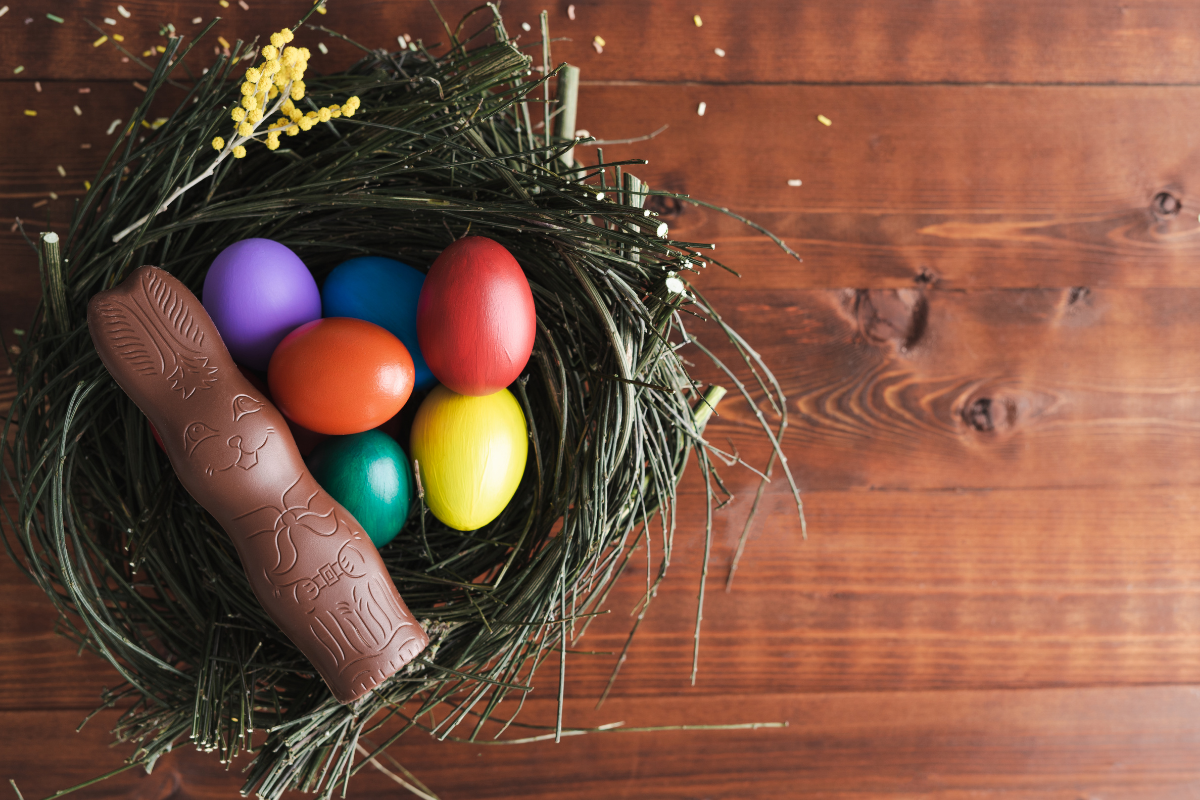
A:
(118, 37)
(100, 41)
(158, 123)
(78, 111)
(600, 41)
(161, 49)
(224, 3)
(696, 19)
(147, 53)
(824, 120)
(222, 40)
(87, 185)
(321, 10)
(145, 124)
(30, 113)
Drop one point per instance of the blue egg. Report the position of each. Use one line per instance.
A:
(383, 291)
(369, 474)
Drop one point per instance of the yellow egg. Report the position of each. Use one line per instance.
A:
(471, 452)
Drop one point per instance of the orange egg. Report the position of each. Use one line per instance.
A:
(340, 375)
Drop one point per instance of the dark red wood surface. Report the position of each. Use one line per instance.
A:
(990, 358)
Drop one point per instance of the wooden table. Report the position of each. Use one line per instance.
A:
(990, 353)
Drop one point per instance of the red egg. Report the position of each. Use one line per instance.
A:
(475, 317)
(340, 375)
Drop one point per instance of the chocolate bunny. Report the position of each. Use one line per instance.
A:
(308, 560)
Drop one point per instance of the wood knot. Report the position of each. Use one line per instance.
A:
(999, 408)
(899, 316)
(667, 208)
(1166, 205)
(979, 415)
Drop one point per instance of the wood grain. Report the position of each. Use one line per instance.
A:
(948, 745)
(771, 41)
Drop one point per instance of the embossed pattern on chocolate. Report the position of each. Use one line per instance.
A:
(308, 560)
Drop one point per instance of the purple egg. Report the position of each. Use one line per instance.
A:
(257, 291)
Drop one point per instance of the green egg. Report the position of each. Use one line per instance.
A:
(370, 475)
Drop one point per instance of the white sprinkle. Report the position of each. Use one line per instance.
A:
(78, 113)
(37, 85)
(324, 50)
(408, 38)
(62, 173)
(242, 3)
(121, 10)
(571, 11)
(795, 182)
(525, 26)
(113, 126)
(403, 43)
(702, 108)
(28, 20)
(3, 11)
(674, 285)
(54, 195)
(662, 230)
(109, 21)
(719, 52)
(197, 20)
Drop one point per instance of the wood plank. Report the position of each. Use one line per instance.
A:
(830, 41)
(962, 187)
(893, 591)
(1126, 743)
(1027, 388)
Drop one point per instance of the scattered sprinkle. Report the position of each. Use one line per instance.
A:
(19, 331)
(55, 18)
(321, 8)
(824, 120)
(28, 20)
(161, 49)
(224, 3)
(13, 229)
(702, 108)
(3, 11)
(145, 124)
(242, 3)
(719, 52)
(571, 11)
(18, 70)
(525, 26)
(37, 85)
(118, 37)
(795, 182)
(158, 123)
(14, 349)
(197, 20)
(147, 53)
(124, 59)
(224, 42)
(696, 19)
(85, 146)
(85, 90)
(78, 113)
(121, 10)
(53, 195)
(62, 173)
(100, 41)
(324, 50)
(408, 38)
(600, 41)
(87, 185)
(40, 203)
(29, 112)
(139, 86)
(109, 21)
(113, 126)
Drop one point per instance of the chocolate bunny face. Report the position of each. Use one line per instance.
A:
(308, 560)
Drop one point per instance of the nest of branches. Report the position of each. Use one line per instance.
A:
(442, 146)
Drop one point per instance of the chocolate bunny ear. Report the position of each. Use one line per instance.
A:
(149, 331)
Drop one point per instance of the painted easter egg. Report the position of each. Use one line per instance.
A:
(257, 291)
(471, 452)
(383, 291)
(370, 476)
(475, 317)
(340, 375)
